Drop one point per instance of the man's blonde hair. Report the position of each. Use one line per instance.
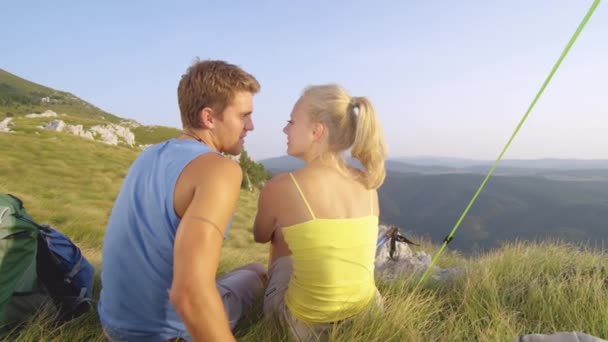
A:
(211, 84)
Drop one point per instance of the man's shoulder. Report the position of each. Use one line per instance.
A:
(216, 161)
(151, 151)
(215, 167)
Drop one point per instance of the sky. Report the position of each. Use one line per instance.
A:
(447, 78)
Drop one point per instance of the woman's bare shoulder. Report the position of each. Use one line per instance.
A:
(279, 178)
(355, 172)
(276, 183)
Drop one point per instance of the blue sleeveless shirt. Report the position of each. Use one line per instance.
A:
(137, 255)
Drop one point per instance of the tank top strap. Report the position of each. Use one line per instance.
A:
(302, 195)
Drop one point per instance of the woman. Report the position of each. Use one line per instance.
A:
(322, 219)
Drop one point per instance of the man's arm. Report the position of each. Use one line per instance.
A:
(265, 219)
(198, 243)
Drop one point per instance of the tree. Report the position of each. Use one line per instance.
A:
(254, 174)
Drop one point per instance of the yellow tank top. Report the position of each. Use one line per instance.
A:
(333, 266)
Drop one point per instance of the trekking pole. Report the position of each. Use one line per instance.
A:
(386, 236)
(449, 237)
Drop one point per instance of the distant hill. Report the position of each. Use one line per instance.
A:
(566, 169)
(545, 163)
(517, 203)
(508, 209)
(557, 169)
(19, 96)
(288, 163)
(281, 164)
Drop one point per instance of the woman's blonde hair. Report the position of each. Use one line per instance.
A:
(352, 123)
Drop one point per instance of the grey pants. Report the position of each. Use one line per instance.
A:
(239, 290)
(275, 307)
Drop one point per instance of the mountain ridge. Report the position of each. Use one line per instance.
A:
(515, 204)
(19, 96)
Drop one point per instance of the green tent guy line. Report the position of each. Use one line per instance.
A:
(449, 237)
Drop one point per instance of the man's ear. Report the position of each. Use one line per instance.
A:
(206, 118)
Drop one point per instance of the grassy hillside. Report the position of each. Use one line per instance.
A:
(144, 135)
(19, 97)
(71, 183)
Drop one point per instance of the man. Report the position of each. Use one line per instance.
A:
(164, 236)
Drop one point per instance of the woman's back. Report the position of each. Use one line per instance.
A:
(331, 194)
(333, 254)
(322, 220)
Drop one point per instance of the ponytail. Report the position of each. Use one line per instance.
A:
(369, 146)
(352, 124)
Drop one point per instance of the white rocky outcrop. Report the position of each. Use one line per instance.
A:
(110, 134)
(406, 262)
(4, 125)
(55, 125)
(106, 135)
(79, 131)
(46, 114)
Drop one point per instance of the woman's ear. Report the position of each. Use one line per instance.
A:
(318, 131)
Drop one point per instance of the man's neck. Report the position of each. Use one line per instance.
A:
(202, 136)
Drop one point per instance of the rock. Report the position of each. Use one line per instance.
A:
(79, 131)
(112, 132)
(107, 136)
(46, 114)
(567, 336)
(124, 133)
(406, 262)
(4, 125)
(55, 125)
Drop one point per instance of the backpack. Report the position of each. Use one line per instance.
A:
(39, 266)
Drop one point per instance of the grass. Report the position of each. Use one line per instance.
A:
(521, 288)
(19, 96)
(153, 134)
(71, 109)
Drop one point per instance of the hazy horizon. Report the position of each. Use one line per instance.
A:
(466, 158)
(447, 79)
